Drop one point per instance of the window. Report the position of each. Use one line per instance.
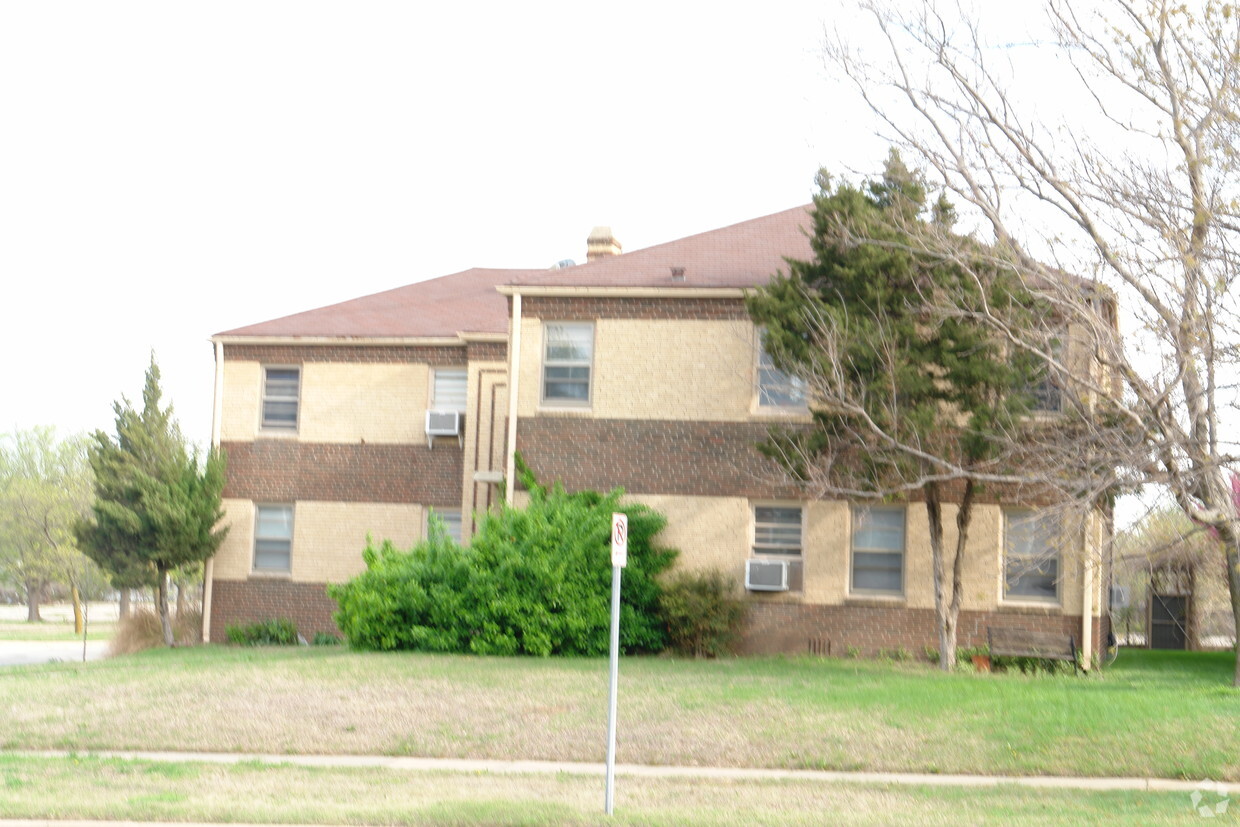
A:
(451, 518)
(1031, 556)
(777, 389)
(280, 392)
(878, 550)
(777, 532)
(448, 392)
(1046, 392)
(777, 529)
(568, 350)
(273, 538)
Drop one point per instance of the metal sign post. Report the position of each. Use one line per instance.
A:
(619, 558)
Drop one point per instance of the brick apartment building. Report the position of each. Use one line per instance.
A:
(637, 369)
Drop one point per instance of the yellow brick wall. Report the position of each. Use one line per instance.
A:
(716, 532)
(340, 402)
(656, 369)
(328, 538)
(242, 399)
(348, 402)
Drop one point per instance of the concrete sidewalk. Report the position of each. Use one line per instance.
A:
(468, 765)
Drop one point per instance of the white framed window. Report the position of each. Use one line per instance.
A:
(448, 389)
(273, 538)
(568, 355)
(281, 391)
(778, 536)
(1047, 393)
(777, 529)
(451, 518)
(777, 389)
(878, 535)
(1030, 556)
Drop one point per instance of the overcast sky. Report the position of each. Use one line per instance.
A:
(169, 171)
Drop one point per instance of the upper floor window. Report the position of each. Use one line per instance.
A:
(1047, 392)
(568, 354)
(878, 550)
(273, 538)
(777, 389)
(281, 389)
(1031, 556)
(449, 389)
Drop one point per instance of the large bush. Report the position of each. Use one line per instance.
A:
(535, 580)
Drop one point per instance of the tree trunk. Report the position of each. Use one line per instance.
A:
(77, 609)
(180, 600)
(946, 630)
(964, 518)
(123, 609)
(1233, 581)
(34, 591)
(162, 599)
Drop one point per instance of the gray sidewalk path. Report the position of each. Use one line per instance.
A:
(469, 765)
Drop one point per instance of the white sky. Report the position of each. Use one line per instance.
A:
(169, 170)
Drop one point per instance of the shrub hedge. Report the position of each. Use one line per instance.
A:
(534, 581)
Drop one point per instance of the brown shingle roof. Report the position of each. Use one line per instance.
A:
(461, 302)
(742, 255)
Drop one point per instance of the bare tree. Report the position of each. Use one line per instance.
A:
(1137, 193)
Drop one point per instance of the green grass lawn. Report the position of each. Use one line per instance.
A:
(1171, 715)
(85, 787)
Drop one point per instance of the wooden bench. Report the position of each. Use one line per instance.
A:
(1021, 643)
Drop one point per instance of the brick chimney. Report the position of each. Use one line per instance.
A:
(601, 244)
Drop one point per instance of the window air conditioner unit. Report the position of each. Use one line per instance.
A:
(442, 423)
(766, 575)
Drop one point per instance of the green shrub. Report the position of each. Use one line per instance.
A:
(276, 632)
(702, 612)
(534, 580)
(325, 639)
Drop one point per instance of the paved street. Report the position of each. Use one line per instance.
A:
(22, 652)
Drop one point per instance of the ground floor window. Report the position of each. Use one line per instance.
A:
(451, 518)
(1031, 544)
(273, 538)
(878, 550)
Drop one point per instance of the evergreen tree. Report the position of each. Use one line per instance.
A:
(155, 508)
(912, 396)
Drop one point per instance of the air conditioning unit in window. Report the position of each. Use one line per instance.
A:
(442, 423)
(766, 575)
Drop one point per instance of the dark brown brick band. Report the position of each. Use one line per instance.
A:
(453, 355)
(594, 307)
(240, 602)
(651, 456)
(779, 627)
(277, 470)
(487, 351)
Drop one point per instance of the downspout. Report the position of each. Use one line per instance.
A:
(514, 382)
(217, 411)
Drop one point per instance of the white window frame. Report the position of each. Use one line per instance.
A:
(280, 398)
(441, 401)
(259, 508)
(586, 363)
(452, 521)
(1050, 551)
(761, 546)
(857, 514)
(771, 383)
